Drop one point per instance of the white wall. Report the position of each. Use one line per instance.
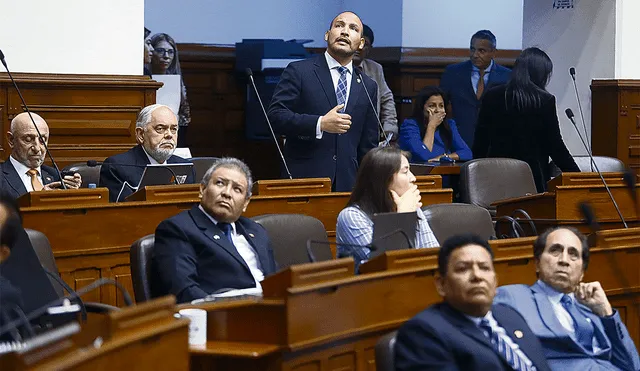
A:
(582, 37)
(383, 16)
(450, 23)
(228, 22)
(627, 36)
(73, 36)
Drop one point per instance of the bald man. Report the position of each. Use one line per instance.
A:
(24, 170)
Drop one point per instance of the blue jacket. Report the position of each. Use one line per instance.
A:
(562, 351)
(305, 92)
(192, 257)
(410, 140)
(456, 82)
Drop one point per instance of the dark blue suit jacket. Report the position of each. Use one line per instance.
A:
(456, 82)
(192, 258)
(112, 176)
(441, 338)
(305, 92)
(562, 351)
(12, 184)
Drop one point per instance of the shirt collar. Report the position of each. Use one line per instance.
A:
(152, 160)
(486, 70)
(332, 63)
(233, 225)
(477, 320)
(21, 168)
(553, 295)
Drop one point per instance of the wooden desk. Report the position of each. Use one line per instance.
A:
(321, 317)
(436, 168)
(93, 241)
(144, 337)
(559, 206)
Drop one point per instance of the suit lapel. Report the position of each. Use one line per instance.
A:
(354, 92)
(47, 175)
(246, 231)
(546, 311)
(514, 330)
(216, 235)
(598, 329)
(324, 76)
(465, 325)
(13, 179)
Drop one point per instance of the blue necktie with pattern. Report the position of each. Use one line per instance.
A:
(583, 328)
(499, 345)
(341, 89)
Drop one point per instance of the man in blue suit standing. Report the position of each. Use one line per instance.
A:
(321, 106)
(466, 82)
(467, 331)
(578, 328)
(211, 247)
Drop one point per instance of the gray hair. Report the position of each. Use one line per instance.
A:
(144, 117)
(229, 162)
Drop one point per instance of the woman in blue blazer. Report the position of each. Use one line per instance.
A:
(427, 135)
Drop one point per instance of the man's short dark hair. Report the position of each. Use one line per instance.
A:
(347, 11)
(455, 242)
(541, 242)
(11, 228)
(367, 32)
(484, 35)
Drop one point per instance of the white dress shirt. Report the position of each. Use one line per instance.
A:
(495, 327)
(22, 173)
(335, 76)
(245, 250)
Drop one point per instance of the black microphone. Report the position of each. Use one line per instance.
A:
(375, 110)
(630, 180)
(26, 108)
(572, 72)
(264, 112)
(70, 291)
(42, 310)
(593, 163)
(589, 216)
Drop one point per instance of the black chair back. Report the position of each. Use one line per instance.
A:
(447, 220)
(201, 165)
(140, 259)
(42, 248)
(385, 352)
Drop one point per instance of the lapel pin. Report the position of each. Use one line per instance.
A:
(216, 237)
(358, 80)
(251, 235)
(518, 334)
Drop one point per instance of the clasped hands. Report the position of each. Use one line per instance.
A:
(592, 295)
(71, 181)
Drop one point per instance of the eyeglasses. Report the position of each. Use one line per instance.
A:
(161, 129)
(162, 51)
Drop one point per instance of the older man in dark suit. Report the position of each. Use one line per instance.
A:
(466, 332)
(212, 247)
(157, 135)
(321, 106)
(466, 82)
(24, 171)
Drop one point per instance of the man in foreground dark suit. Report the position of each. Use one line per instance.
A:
(578, 328)
(211, 247)
(24, 170)
(157, 135)
(467, 332)
(464, 86)
(321, 106)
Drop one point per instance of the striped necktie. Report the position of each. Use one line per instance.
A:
(341, 89)
(506, 352)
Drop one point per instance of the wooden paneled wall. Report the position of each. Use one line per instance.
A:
(217, 95)
(89, 116)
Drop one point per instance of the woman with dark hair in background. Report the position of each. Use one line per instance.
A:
(384, 183)
(519, 120)
(165, 62)
(427, 135)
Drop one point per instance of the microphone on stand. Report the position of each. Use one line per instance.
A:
(375, 111)
(593, 163)
(26, 108)
(572, 72)
(264, 112)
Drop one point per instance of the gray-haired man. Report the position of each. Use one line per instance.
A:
(156, 135)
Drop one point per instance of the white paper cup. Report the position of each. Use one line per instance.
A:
(197, 325)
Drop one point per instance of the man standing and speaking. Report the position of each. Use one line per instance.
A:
(321, 106)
